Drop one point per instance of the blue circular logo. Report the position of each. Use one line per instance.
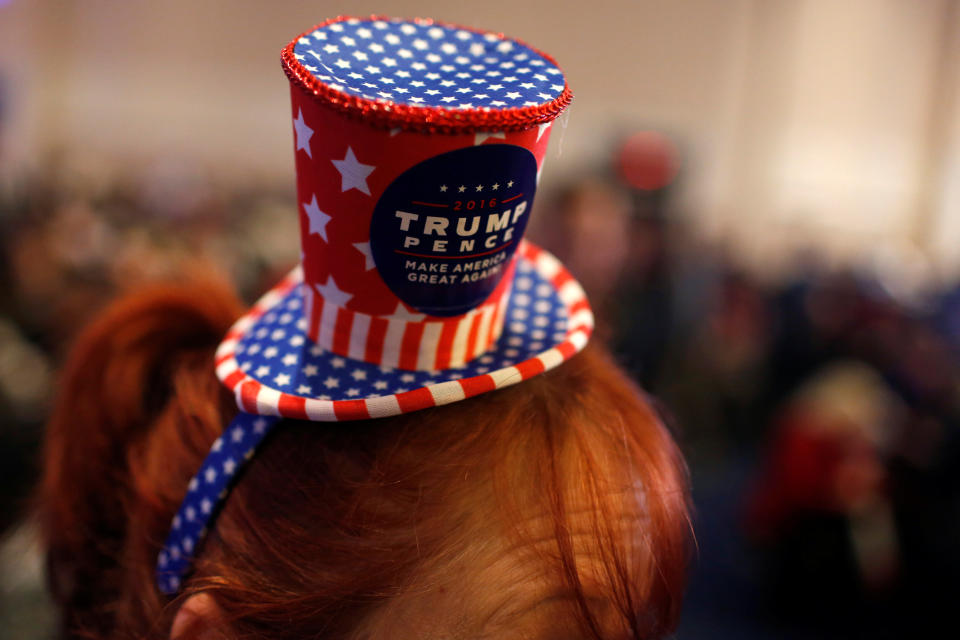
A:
(443, 233)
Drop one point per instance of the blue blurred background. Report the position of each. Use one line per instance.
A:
(760, 196)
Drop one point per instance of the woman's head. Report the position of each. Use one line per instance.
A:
(552, 509)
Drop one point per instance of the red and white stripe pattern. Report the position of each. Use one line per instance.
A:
(254, 396)
(405, 340)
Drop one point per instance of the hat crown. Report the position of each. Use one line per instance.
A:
(414, 226)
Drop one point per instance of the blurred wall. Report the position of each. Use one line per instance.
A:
(832, 122)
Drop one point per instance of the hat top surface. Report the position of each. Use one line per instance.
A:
(424, 64)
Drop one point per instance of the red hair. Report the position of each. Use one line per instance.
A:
(330, 522)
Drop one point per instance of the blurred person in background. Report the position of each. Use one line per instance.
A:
(68, 244)
(822, 506)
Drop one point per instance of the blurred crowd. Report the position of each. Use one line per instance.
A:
(71, 241)
(819, 413)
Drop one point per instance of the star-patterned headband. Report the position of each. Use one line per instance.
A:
(418, 150)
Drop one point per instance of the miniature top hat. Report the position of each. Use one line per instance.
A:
(418, 148)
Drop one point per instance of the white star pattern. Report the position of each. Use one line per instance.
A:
(353, 174)
(332, 293)
(364, 248)
(312, 372)
(317, 219)
(541, 128)
(303, 134)
(441, 59)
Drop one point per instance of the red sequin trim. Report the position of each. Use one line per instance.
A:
(390, 115)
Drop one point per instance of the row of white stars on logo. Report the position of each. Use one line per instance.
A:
(463, 188)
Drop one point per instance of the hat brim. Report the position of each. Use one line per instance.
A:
(271, 366)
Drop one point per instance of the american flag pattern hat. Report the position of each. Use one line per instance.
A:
(418, 148)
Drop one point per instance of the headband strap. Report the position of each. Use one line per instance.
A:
(207, 491)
